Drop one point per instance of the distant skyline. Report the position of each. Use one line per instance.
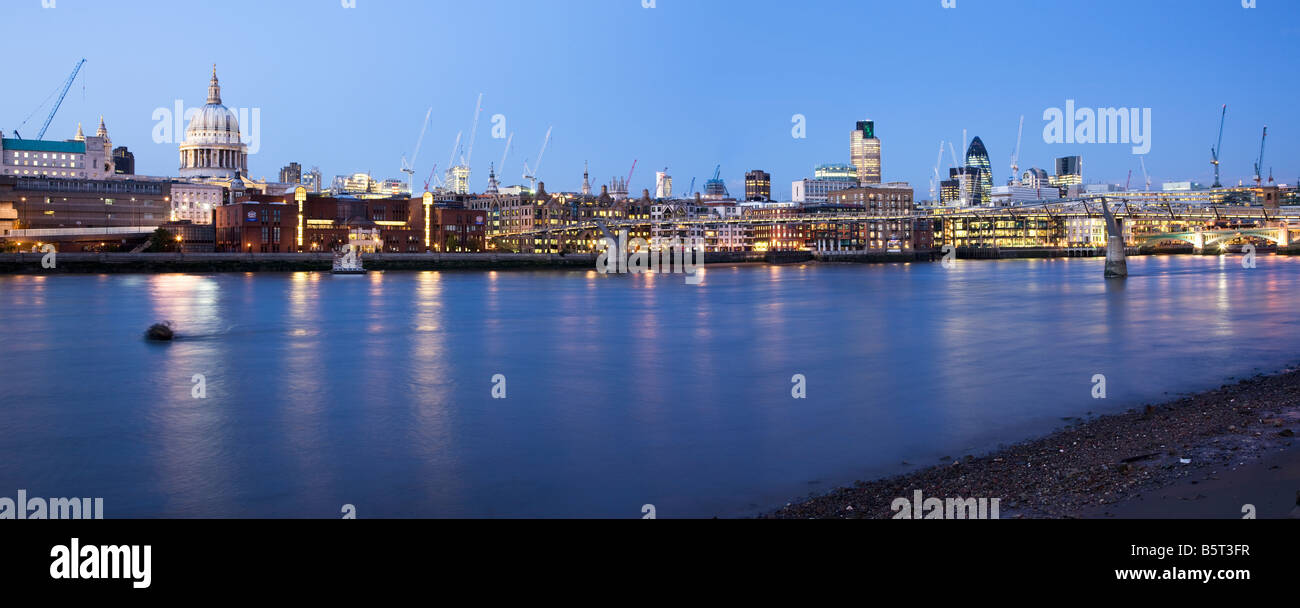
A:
(687, 85)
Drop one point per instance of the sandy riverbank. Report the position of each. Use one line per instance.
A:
(1201, 456)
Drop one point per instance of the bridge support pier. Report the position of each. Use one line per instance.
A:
(1198, 243)
(1283, 237)
(1116, 256)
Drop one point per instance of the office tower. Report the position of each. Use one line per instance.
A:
(864, 152)
(981, 188)
(758, 186)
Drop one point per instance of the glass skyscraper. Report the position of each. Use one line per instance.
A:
(981, 192)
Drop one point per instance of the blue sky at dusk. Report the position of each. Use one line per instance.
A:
(688, 84)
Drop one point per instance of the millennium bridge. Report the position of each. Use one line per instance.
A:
(1044, 224)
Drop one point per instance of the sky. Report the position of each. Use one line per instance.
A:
(686, 85)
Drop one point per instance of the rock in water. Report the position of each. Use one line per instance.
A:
(161, 332)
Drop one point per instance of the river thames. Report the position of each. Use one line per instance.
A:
(320, 391)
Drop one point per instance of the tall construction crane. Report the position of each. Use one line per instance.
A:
(1015, 158)
(1214, 152)
(961, 175)
(451, 161)
(432, 175)
(409, 168)
(58, 102)
(530, 174)
(509, 140)
(473, 134)
(936, 179)
(628, 183)
(691, 192)
(1143, 159)
(1259, 165)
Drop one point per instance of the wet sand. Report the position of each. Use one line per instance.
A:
(1202, 456)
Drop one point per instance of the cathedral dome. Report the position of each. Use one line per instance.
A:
(213, 147)
(214, 123)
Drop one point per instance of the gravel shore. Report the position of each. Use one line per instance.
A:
(1090, 465)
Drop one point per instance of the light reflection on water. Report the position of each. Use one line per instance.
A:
(622, 390)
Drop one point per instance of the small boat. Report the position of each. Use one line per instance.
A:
(348, 262)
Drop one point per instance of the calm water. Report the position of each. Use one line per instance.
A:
(621, 391)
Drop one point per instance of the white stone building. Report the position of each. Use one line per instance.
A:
(78, 158)
(213, 147)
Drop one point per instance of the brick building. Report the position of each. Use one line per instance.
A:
(269, 224)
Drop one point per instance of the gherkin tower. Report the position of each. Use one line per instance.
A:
(978, 158)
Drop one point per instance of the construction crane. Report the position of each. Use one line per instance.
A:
(432, 174)
(409, 168)
(691, 192)
(58, 102)
(531, 174)
(1259, 165)
(1015, 158)
(473, 134)
(1214, 152)
(1143, 160)
(936, 179)
(628, 183)
(961, 175)
(451, 161)
(506, 153)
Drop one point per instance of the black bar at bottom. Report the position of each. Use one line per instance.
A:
(192, 558)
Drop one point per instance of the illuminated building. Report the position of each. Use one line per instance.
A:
(271, 224)
(49, 203)
(980, 186)
(194, 202)
(80, 157)
(758, 186)
(291, 174)
(663, 185)
(212, 146)
(847, 173)
(123, 161)
(864, 152)
(890, 234)
(1035, 178)
(1069, 171)
(458, 179)
(962, 188)
(826, 179)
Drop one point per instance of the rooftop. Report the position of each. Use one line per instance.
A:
(38, 145)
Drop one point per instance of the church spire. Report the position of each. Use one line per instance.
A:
(214, 89)
(586, 180)
(81, 136)
(103, 130)
(492, 180)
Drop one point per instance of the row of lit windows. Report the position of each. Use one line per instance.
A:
(46, 156)
(37, 163)
(46, 173)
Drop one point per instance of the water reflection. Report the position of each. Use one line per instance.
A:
(376, 390)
